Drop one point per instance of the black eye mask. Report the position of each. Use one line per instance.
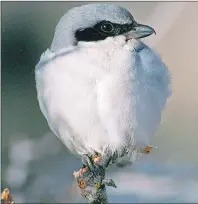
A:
(102, 30)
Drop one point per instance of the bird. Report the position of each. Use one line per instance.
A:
(101, 89)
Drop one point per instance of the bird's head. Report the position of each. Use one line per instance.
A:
(95, 22)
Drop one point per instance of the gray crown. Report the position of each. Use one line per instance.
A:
(84, 17)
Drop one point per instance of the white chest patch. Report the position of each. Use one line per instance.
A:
(104, 94)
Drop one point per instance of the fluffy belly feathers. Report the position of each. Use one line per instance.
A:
(90, 108)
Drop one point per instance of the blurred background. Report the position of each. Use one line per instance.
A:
(35, 164)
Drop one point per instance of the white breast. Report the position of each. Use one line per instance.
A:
(103, 95)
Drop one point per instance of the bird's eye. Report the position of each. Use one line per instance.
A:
(107, 27)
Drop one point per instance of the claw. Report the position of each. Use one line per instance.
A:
(107, 157)
(90, 177)
(107, 160)
(87, 162)
(97, 159)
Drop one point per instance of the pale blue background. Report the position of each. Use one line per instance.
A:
(37, 167)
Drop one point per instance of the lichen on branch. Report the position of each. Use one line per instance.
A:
(91, 180)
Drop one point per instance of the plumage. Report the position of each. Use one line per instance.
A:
(101, 94)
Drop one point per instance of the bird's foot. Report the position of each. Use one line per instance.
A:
(97, 159)
(91, 178)
(92, 161)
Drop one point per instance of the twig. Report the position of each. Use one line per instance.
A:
(6, 197)
(92, 182)
(91, 178)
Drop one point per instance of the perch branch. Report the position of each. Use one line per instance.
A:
(91, 178)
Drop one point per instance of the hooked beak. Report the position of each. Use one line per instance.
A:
(140, 31)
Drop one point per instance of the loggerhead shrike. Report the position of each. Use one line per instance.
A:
(99, 87)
